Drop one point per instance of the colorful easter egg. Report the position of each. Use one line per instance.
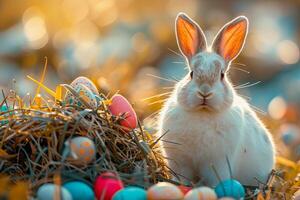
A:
(106, 185)
(230, 188)
(201, 193)
(51, 191)
(86, 82)
(120, 106)
(83, 92)
(164, 191)
(82, 149)
(79, 190)
(131, 193)
(184, 189)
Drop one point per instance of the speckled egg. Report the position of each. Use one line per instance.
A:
(51, 191)
(131, 193)
(164, 191)
(79, 190)
(201, 193)
(230, 188)
(86, 82)
(82, 149)
(85, 93)
(106, 185)
(120, 106)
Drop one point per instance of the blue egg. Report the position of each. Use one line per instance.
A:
(230, 188)
(79, 190)
(49, 191)
(131, 193)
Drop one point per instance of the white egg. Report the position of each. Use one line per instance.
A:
(204, 193)
(51, 191)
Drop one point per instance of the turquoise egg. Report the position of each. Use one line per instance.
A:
(79, 190)
(230, 188)
(49, 191)
(131, 193)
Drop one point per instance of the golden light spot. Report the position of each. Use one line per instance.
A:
(277, 108)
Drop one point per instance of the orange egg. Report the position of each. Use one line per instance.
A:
(120, 106)
(164, 191)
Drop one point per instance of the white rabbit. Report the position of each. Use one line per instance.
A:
(208, 119)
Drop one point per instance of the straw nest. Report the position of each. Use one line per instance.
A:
(32, 141)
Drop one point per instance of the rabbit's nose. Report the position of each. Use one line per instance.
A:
(205, 95)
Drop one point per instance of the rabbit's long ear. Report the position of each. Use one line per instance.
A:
(190, 37)
(231, 38)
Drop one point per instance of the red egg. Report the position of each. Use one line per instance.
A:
(106, 185)
(120, 106)
(184, 189)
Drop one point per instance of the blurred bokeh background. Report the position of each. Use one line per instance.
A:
(125, 45)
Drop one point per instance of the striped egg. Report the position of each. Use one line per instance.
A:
(86, 82)
(82, 149)
(164, 191)
(202, 193)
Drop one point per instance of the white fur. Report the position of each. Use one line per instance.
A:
(205, 139)
(226, 127)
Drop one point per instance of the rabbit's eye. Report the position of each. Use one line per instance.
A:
(222, 75)
(191, 74)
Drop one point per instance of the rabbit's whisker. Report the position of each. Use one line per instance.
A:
(240, 64)
(161, 78)
(175, 52)
(257, 109)
(247, 85)
(178, 62)
(152, 115)
(240, 69)
(156, 96)
(157, 102)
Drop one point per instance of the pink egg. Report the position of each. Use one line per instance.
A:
(184, 189)
(106, 185)
(120, 106)
(164, 191)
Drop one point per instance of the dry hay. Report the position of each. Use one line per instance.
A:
(32, 141)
